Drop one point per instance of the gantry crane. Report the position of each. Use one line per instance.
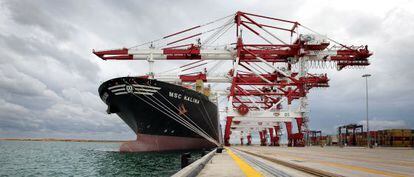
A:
(268, 74)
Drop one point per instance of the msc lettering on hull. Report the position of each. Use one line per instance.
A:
(185, 97)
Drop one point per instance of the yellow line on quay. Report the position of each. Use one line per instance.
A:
(248, 170)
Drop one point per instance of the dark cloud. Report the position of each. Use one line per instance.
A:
(31, 48)
(46, 84)
(41, 15)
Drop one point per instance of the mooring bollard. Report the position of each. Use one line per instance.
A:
(219, 149)
(185, 159)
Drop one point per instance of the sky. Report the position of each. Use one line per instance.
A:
(49, 77)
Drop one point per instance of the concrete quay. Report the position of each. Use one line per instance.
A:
(310, 161)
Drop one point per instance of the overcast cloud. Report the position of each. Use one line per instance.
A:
(49, 77)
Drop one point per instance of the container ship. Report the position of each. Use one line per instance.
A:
(164, 116)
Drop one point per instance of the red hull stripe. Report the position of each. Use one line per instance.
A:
(154, 143)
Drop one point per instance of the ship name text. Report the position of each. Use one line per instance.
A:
(185, 97)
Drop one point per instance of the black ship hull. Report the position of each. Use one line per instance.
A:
(153, 110)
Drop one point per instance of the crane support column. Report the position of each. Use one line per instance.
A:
(264, 142)
(276, 138)
(249, 139)
(289, 132)
(227, 131)
(271, 137)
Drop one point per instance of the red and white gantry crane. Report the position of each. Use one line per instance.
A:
(268, 79)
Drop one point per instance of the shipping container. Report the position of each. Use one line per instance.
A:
(388, 137)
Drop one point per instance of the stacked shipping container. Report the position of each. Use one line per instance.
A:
(387, 138)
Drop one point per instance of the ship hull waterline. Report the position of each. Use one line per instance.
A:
(155, 143)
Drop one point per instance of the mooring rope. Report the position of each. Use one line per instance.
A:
(176, 117)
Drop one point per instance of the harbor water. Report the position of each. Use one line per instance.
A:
(31, 158)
